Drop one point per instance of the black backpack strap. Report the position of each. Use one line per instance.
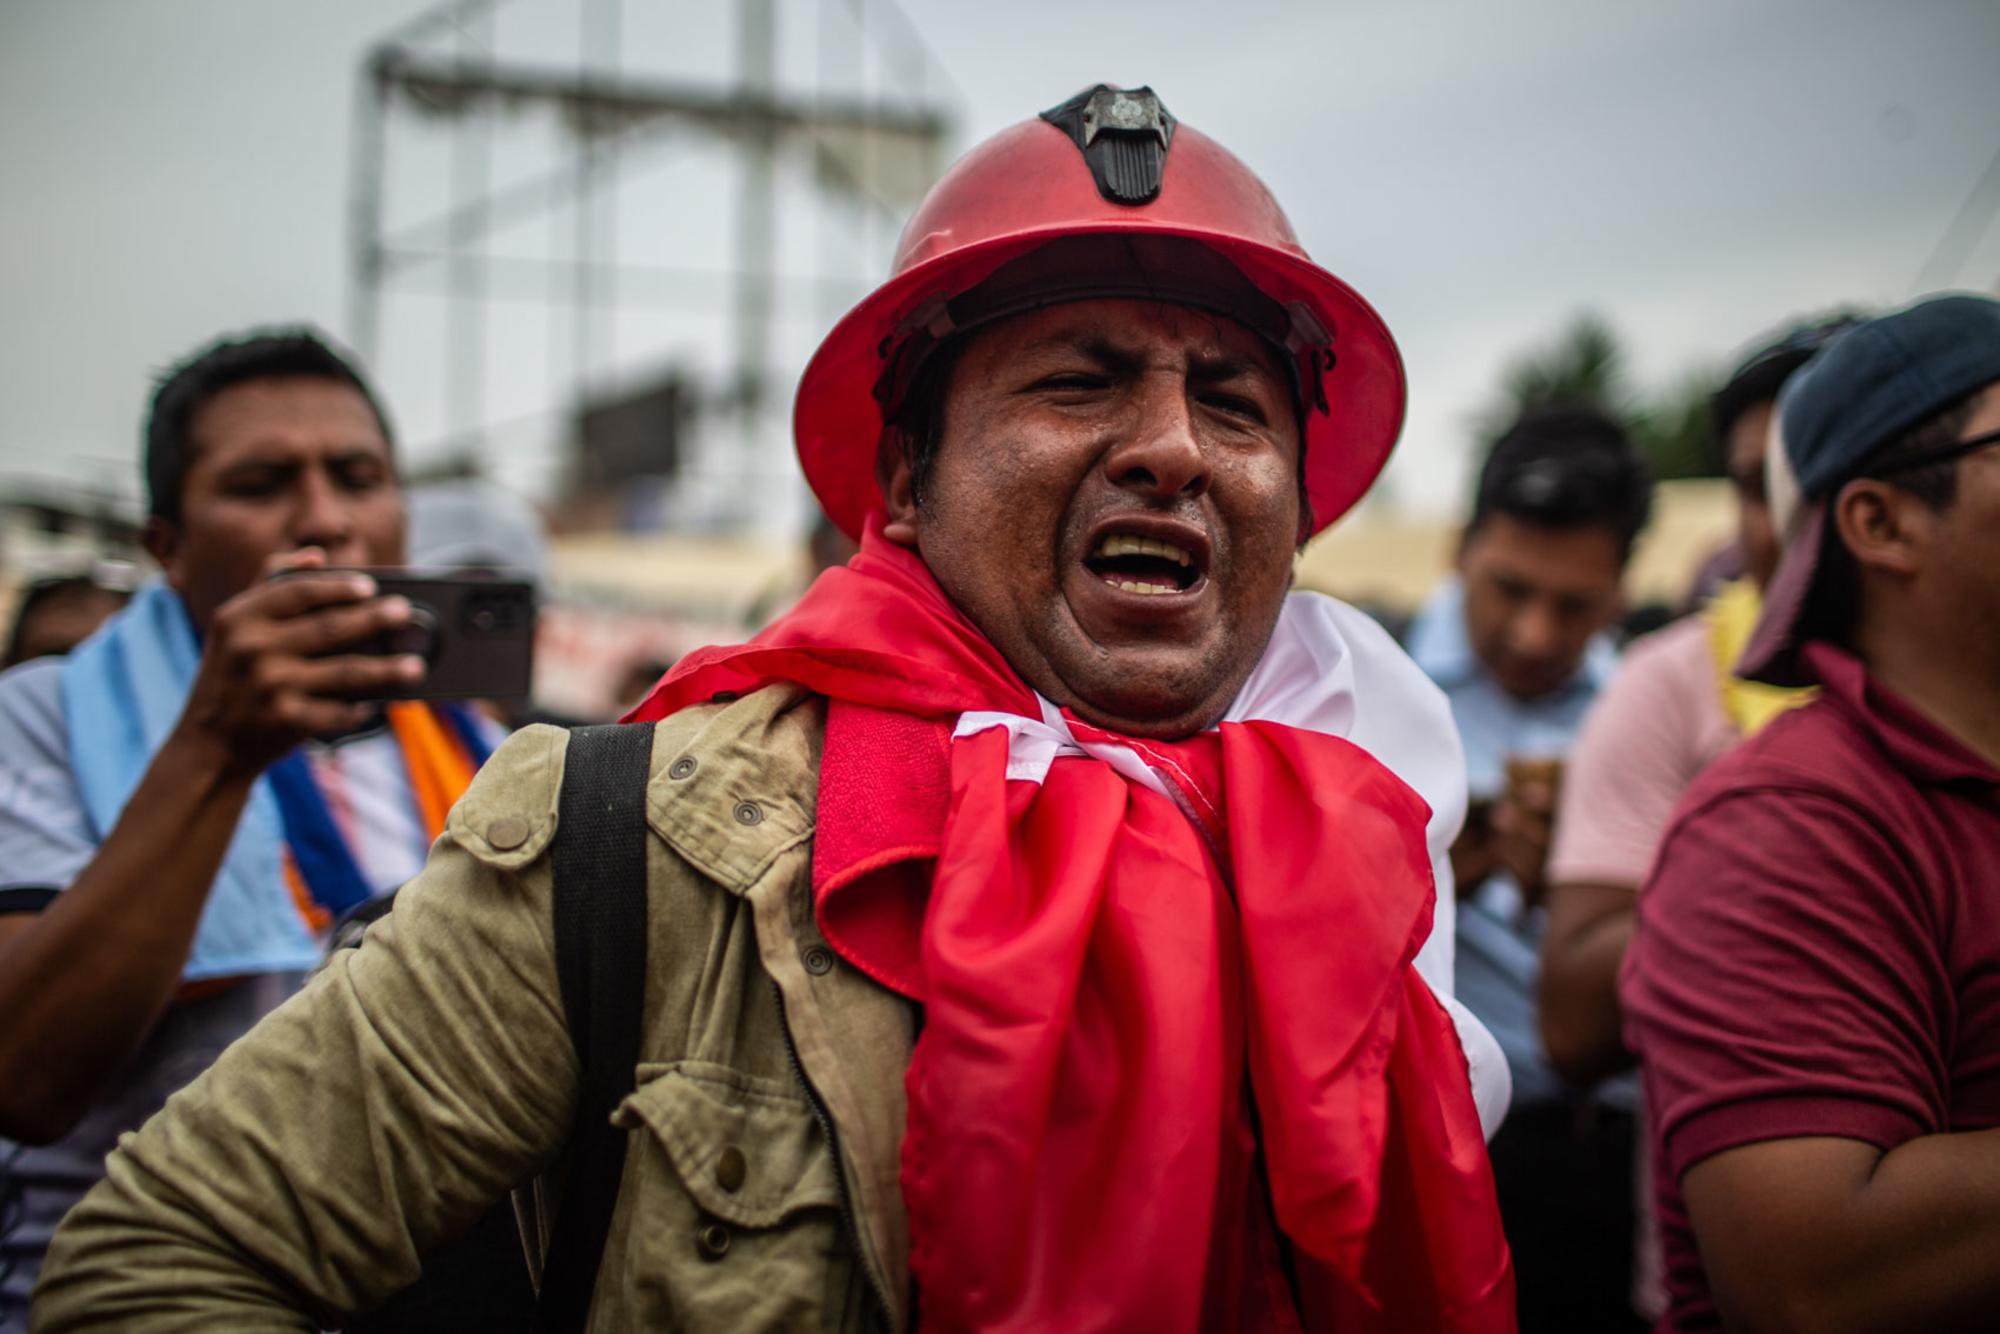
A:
(600, 931)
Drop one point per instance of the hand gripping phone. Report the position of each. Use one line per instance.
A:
(475, 633)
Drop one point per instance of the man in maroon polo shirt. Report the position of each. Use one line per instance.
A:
(1814, 988)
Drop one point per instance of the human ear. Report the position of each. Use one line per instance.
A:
(162, 539)
(1880, 525)
(899, 493)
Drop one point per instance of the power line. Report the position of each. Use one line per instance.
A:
(1968, 225)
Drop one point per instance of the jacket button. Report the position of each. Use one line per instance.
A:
(730, 1169)
(712, 1241)
(507, 833)
(681, 767)
(749, 812)
(818, 959)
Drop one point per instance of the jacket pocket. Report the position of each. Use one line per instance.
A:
(734, 1205)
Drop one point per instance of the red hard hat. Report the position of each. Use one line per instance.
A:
(1107, 162)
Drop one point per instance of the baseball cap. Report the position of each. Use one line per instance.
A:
(1867, 387)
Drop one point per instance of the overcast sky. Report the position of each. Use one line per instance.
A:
(1695, 171)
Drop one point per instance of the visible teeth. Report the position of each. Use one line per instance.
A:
(1124, 544)
(1131, 587)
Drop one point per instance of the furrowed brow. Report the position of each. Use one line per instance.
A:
(1227, 367)
(1112, 357)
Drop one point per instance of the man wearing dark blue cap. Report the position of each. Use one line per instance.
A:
(1814, 988)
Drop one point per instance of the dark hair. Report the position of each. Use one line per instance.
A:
(44, 594)
(1936, 484)
(1835, 598)
(230, 361)
(916, 425)
(1759, 376)
(1566, 467)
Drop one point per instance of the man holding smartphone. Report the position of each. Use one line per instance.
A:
(189, 800)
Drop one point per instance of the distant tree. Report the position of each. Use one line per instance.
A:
(1672, 428)
(1585, 365)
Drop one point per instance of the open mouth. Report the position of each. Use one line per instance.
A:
(1145, 565)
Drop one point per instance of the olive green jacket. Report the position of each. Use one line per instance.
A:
(422, 1076)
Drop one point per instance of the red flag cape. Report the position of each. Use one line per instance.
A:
(1128, 994)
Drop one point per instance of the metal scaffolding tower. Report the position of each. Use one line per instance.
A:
(520, 165)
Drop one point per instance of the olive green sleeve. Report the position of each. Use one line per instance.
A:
(410, 1085)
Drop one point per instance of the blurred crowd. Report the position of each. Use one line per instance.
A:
(1724, 890)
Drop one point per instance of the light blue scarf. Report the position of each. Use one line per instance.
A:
(123, 690)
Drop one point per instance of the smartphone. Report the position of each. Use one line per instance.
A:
(475, 633)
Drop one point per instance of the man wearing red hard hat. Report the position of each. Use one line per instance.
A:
(1040, 925)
